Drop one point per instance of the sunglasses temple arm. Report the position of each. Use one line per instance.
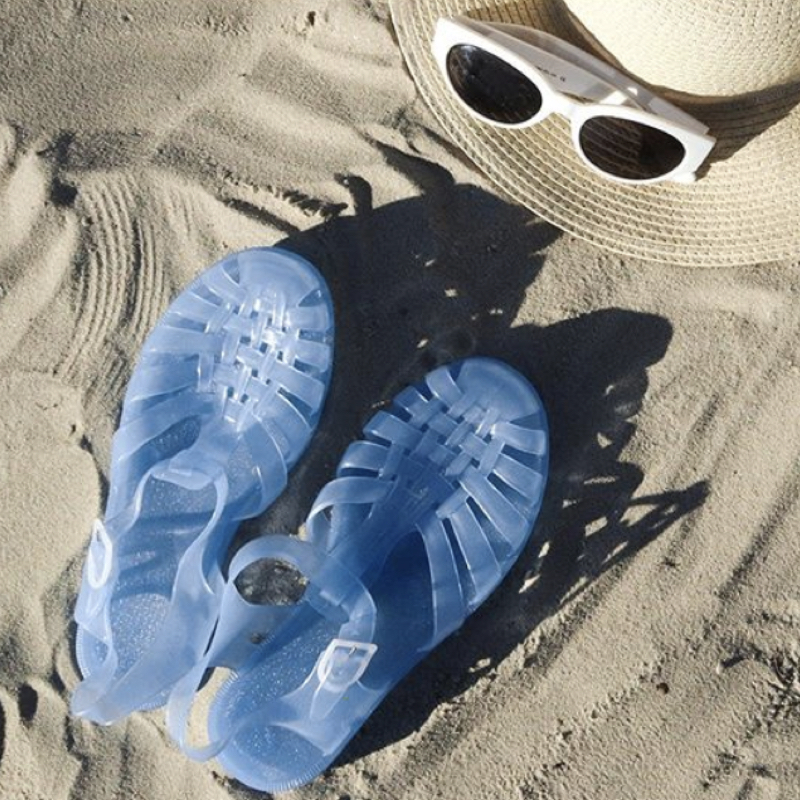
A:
(671, 112)
(580, 74)
(618, 90)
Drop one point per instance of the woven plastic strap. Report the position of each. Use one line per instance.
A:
(439, 464)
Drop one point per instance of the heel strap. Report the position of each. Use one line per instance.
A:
(99, 696)
(244, 631)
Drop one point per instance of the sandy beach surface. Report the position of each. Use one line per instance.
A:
(646, 645)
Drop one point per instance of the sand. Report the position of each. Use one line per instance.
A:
(647, 644)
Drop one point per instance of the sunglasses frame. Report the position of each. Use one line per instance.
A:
(575, 85)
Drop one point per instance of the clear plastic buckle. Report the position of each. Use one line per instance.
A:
(344, 662)
(99, 558)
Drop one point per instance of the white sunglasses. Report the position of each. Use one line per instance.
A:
(512, 76)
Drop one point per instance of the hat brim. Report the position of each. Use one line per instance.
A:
(742, 210)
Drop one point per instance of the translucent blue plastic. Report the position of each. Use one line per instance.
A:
(425, 517)
(224, 399)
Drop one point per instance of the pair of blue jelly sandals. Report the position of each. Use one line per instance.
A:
(425, 516)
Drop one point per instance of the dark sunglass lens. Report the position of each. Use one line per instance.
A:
(490, 87)
(627, 149)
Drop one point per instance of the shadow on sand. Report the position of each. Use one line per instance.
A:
(457, 287)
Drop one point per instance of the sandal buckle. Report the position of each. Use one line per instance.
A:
(344, 662)
(100, 557)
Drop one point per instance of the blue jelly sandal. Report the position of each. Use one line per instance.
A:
(423, 520)
(224, 399)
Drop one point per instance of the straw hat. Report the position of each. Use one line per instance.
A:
(733, 65)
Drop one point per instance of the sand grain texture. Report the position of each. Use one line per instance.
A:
(647, 645)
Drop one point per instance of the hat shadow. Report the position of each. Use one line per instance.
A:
(724, 115)
(457, 289)
(448, 277)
